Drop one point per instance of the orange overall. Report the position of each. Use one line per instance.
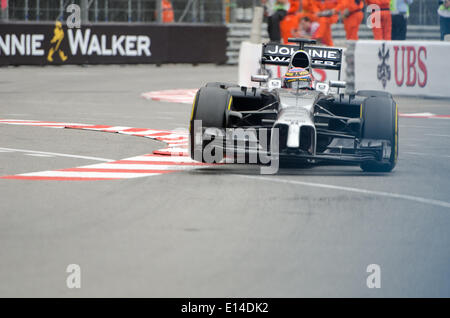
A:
(167, 11)
(308, 9)
(324, 32)
(290, 21)
(383, 32)
(353, 17)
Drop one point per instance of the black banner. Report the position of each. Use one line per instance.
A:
(225, 307)
(321, 57)
(108, 43)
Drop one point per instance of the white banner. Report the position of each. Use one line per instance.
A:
(416, 68)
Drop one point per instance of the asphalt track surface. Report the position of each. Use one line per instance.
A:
(215, 232)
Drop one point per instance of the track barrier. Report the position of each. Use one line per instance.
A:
(46, 44)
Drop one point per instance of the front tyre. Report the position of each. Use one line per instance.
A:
(209, 107)
(380, 122)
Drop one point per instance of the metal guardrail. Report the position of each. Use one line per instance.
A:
(238, 32)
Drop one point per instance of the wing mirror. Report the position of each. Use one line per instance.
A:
(322, 87)
(338, 84)
(260, 78)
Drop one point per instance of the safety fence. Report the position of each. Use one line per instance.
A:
(131, 11)
(422, 12)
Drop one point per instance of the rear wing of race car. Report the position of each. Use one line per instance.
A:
(321, 57)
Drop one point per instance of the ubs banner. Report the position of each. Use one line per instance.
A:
(46, 44)
(403, 67)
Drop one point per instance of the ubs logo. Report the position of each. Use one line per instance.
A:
(410, 67)
(383, 69)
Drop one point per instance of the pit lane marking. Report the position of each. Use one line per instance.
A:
(183, 96)
(407, 197)
(134, 167)
(423, 115)
(425, 154)
(167, 160)
(428, 127)
(437, 135)
(39, 155)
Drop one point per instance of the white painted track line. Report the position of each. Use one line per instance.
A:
(56, 154)
(78, 174)
(131, 166)
(407, 197)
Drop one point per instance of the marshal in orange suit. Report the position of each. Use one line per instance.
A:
(325, 11)
(290, 21)
(167, 11)
(308, 9)
(383, 32)
(353, 15)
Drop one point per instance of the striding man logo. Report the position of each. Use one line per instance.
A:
(58, 36)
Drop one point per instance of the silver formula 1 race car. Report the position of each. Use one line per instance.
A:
(305, 123)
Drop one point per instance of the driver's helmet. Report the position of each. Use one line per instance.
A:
(298, 77)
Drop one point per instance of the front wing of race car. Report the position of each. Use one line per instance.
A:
(243, 147)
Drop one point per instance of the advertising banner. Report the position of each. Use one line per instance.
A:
(415, 68)
(56, 44)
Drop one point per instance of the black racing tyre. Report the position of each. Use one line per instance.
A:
(221, 85)
(369, 93)
(210, 105)
(380, 122)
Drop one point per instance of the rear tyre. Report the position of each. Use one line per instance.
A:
(209, 107)
(221, 85)
(380, 122)
(369, 93)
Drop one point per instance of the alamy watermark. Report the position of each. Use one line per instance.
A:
(73, 280)
(374, 18)
(374, 279)
(74, 19)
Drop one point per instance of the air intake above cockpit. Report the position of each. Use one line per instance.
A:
(301, 59)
